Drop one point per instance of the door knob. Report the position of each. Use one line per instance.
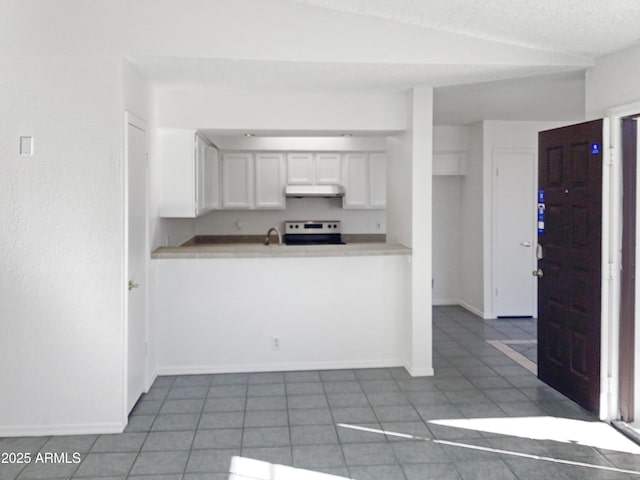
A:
(132, 285)
(525, 244)
(537, 273)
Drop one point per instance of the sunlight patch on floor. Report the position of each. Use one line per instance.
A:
(564, 430)
(243, 468)
(512, 453)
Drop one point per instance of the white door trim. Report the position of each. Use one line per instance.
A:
(612, 208)
(133, 120)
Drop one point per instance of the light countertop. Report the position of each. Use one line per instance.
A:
(253, 250)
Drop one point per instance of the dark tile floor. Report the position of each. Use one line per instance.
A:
(343, 422)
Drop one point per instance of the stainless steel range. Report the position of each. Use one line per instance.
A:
(313, 232)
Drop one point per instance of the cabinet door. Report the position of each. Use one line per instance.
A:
(328, 169)
(200, 175)
(377, 180)
(212, 178)
(300, 168)
(356, 180)
(237, 180)
(269, 180)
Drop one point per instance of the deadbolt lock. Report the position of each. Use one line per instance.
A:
(537, 273)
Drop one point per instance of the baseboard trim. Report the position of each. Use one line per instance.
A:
(49, 430)
(150, 379)
(277, 367)
(472, 309)
(445, 302)
(419, 372)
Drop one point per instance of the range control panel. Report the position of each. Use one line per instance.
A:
(313, 227)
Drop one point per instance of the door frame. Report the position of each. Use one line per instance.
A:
(137, 122)
(616, 116)
(627, 396)
(494, 222)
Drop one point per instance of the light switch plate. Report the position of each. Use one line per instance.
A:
(26, 146)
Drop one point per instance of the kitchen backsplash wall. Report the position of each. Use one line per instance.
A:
(256, 222)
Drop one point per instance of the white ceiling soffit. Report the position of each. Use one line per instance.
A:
(582, 27)
(549, 97)
(310, 76)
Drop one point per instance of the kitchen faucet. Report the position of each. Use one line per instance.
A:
(268, 237)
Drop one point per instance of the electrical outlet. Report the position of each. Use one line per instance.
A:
(275, 343)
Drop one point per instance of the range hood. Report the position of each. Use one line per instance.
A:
(314, 191)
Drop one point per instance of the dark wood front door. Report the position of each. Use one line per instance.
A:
(569, 290)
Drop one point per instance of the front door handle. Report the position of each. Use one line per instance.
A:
(537, 273)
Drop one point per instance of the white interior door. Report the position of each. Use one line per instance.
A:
(136, 160)
(514, 232)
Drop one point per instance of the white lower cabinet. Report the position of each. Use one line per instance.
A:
(365, 181)
(189, 171)
(253, 181)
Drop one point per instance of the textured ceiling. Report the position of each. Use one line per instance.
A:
(495, 88)
(583, 27)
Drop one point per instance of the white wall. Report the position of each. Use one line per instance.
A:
(447, 238)
(420, 359)
(61, 229)
(472, 233)
(212, 107)
(447, 218)
(613, 82)
(399, 188)
(409, 221)
(257, 222)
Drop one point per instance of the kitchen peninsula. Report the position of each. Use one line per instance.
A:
(251, 307)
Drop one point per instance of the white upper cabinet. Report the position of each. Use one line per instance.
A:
(356, 180)
(237, 181)
(305, 168)
(300, 169)
(253, 180)
(269, 180)
(188, 171)
(328, 169)
(365, 180)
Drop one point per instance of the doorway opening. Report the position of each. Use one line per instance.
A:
(629, 384)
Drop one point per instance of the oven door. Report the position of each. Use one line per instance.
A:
(313, 239)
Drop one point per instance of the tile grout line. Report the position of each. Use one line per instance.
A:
(195, 432)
